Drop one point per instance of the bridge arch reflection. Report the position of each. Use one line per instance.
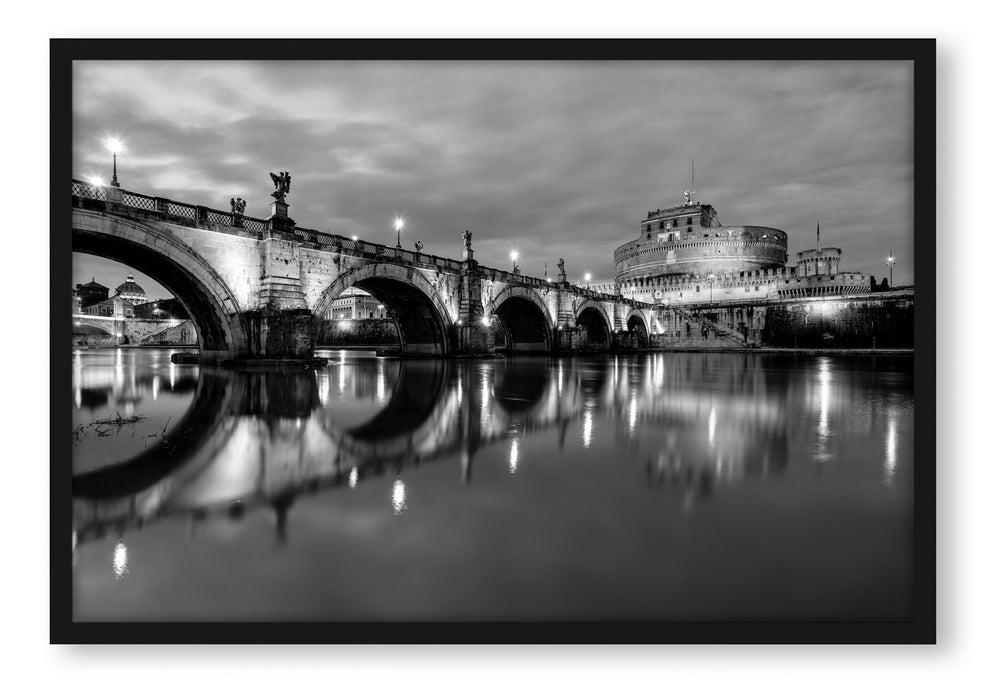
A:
(267, 438)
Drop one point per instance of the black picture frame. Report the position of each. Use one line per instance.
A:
(922, 627)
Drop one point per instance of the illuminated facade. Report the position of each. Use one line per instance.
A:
(684, 255)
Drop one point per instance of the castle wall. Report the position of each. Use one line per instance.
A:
(874, 321)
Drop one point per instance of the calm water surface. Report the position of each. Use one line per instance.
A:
(661, 486)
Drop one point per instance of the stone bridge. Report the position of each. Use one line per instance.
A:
(124, 330)
(258, 288)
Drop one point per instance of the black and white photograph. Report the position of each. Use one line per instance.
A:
(504, 340)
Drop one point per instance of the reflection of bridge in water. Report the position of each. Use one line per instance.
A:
(262, 439)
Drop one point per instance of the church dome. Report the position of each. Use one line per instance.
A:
(131, 291)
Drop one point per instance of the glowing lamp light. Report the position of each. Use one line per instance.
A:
(487, 321)
(114, 144)
(399, 223)
(587, 276)
(514, 255)
(353, 238)
(95, 181)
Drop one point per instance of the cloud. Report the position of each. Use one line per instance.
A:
(556, 159)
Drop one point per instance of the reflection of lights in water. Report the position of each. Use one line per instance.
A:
(711, 427)
(825, 396)
(155, 383)
(380, 386)
(171, 377)
(398, 496)
(323, 388)
(485, 389)
(513, 455)
(460, 391)
(120, 559)
(340, 378)
(78, 397)
(633, 411)
(890, 462)
(586, 432)
(298, 422)
(352, 478)
(560, 377)
(660, 371)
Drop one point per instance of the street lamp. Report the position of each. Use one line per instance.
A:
(587, 277)
(514, 256)
(399, 223)
(115, 146)
(890, 268)
(711, 288)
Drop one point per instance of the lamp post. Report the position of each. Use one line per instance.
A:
(890, 268)
(114, 145)
(587, 277)
(514, 256)
(711, 288)
(399, 223)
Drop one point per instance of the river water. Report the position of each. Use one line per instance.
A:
(665, 486)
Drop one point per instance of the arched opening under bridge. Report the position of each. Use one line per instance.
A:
(421, 319)
(198, 287)
(524, 321)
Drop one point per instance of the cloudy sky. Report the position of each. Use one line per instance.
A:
(553, 159)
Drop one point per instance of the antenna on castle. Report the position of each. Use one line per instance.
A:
(689, 194)
(818, 236)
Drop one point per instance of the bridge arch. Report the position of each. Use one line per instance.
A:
(593, 316)
(421, 317)
(525, 318)
(638, 322)
(177, 267)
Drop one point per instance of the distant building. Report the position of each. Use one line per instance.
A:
(114, 306)
(90, 293)
(161, 309)
(684, 255)
(130, 291)
(354, 304)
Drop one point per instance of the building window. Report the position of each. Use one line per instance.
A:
(690, 221)
(689, 229)
(649, 227)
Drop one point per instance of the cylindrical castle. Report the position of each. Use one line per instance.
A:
(689, 240)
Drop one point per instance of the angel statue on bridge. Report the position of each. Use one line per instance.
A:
(237, 205)
(560, 266)
(467, 240)
(281, 181)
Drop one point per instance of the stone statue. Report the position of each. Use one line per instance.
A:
(560, 266)
(237, 205)
(419, 246)
(687, 197)
(281, 181)
(467, 240)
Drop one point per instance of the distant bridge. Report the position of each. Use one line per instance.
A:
(128, 330)
(259, 287)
